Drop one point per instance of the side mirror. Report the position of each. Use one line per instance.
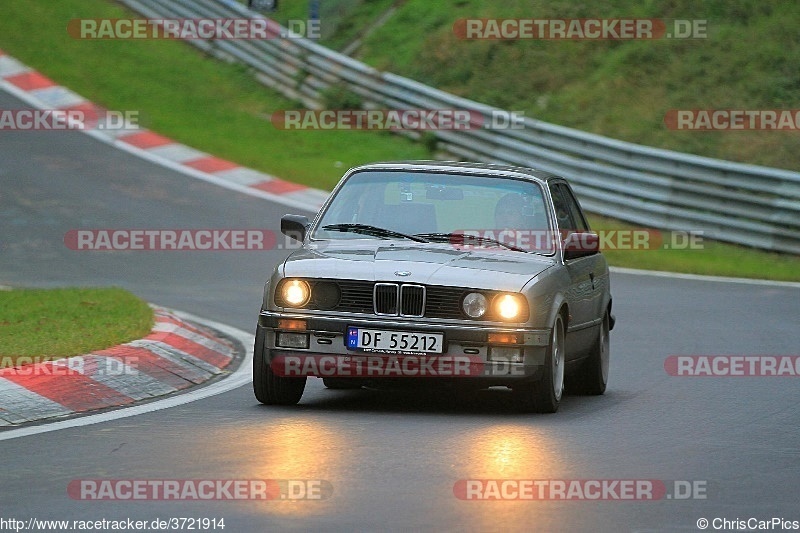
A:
(294, 226)
(580, 244)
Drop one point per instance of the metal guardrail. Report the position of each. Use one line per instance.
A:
(744, 204)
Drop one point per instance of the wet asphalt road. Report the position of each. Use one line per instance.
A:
(392, 457)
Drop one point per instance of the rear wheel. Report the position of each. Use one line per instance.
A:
(270, 388)
(591, 378)
(544, 396)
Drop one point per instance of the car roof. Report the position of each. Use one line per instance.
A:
(458, 166)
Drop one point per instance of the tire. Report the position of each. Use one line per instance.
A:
(269, 388)
(341, 383)
(544, 396)
(592, 376)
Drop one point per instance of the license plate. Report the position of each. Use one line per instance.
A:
(394, 341)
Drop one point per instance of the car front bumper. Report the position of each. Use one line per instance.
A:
(468, 350)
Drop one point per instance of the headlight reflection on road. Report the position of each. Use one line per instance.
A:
(508, 451)
(293, 448)
(296, 449)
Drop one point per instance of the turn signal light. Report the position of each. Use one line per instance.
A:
(505, 338)
(286, 323)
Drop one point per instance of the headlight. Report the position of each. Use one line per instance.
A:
(326, 295)
(509, 306)
(474, 305)
(295, 292)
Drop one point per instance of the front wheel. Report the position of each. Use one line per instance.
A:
(592, 377)
(270, 388)
(544, 396)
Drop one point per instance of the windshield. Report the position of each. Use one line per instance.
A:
(482, 210)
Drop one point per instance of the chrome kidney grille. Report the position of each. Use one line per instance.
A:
(394, 299)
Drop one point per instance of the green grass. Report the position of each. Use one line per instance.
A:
(219, 108)
(52, 323)
(620, 89)
(713, 258)
(341, 21)
(180, 93)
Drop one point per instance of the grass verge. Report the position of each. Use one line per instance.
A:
(179, 92)
(618, 88)
(53, 323)
(221, 109)
(714, 258)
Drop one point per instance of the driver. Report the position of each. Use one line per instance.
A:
(509, 213)
(521, 222)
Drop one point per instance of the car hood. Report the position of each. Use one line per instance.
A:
(411, 262)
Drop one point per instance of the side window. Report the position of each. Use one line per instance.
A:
(564, 217)
(579, 222)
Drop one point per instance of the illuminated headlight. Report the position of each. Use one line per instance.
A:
(295, 292)
(509, 306)
(474, 305)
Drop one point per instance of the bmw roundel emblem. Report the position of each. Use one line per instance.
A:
(402, 273)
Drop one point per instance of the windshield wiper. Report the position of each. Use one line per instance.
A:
(374, 231)
(461, 238)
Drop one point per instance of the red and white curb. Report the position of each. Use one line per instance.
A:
(43, 93)
(174, 356)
